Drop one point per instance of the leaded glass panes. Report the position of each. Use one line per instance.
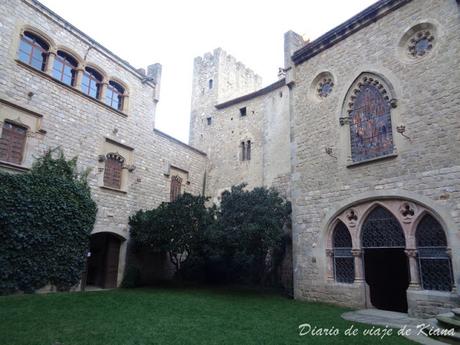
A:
(382, 230)
(370, 122)
(344, 268)
(434, 263)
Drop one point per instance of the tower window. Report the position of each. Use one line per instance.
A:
(243, 111)
(210, 84)
(246, 150)
(209, 119)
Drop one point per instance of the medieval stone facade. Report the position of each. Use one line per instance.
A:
(360, 132)
(56, 114)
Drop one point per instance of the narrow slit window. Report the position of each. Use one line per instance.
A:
(210, 84)
(243, 151)
(209, 119)
(243, 111)
(248, 150)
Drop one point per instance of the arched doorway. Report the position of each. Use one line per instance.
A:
(386, 265)
(103, 260)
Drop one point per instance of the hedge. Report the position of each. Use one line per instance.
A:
(46, 217)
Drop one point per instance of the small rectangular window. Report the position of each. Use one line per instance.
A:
(209, 119)
(248, 150)
(243, 111)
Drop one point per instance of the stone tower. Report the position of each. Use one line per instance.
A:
(217, 77)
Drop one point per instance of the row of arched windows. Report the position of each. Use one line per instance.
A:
(382, 230)
(35, 51)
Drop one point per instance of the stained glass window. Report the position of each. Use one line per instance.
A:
(370, 122)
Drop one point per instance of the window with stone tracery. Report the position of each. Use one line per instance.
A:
(344, 268)
(435, 266)
(370, 120)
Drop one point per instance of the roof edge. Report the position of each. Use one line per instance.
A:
(177, 141)
(361, 20)
(89, 39)
(277, 84)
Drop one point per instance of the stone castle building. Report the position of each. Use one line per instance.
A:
(360, 132)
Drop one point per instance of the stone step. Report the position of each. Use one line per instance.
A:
(448, 321)
(456, 312)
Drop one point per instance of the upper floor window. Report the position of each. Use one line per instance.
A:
(113, 170)
(210, 82)
(12, 142)
(176, 184)
(370, 120)
(33, 51)
(243, 111)
(91, 82)
(64, 68)
(114, 95)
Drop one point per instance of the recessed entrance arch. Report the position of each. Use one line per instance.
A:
(103, 260)
(386, 267)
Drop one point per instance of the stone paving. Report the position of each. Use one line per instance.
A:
(412, 326)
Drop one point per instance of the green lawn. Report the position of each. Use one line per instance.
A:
(169, 316)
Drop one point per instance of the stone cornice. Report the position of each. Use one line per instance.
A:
(361, 20)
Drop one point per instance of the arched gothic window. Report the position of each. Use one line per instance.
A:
(33, 51)
(344, 267)
(113, 170)
(382, 230)
(370, 120)
(64, 68)
(176, 184)
(434, 262)
(91, 82)
(114, 95)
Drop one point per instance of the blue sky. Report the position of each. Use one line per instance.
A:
(174, 32)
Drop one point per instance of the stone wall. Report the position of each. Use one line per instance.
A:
(426, 167)
(87, 128)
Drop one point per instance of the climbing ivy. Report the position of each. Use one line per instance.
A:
(46, 217)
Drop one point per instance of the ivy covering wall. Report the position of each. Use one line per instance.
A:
(46, 217)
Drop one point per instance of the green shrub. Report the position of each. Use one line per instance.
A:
(46, 217)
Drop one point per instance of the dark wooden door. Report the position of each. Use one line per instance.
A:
(112, 257)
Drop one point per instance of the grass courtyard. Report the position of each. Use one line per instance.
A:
(170, 316)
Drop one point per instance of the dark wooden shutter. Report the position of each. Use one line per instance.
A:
(12, 143)
(113, 170)
(176, 183)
